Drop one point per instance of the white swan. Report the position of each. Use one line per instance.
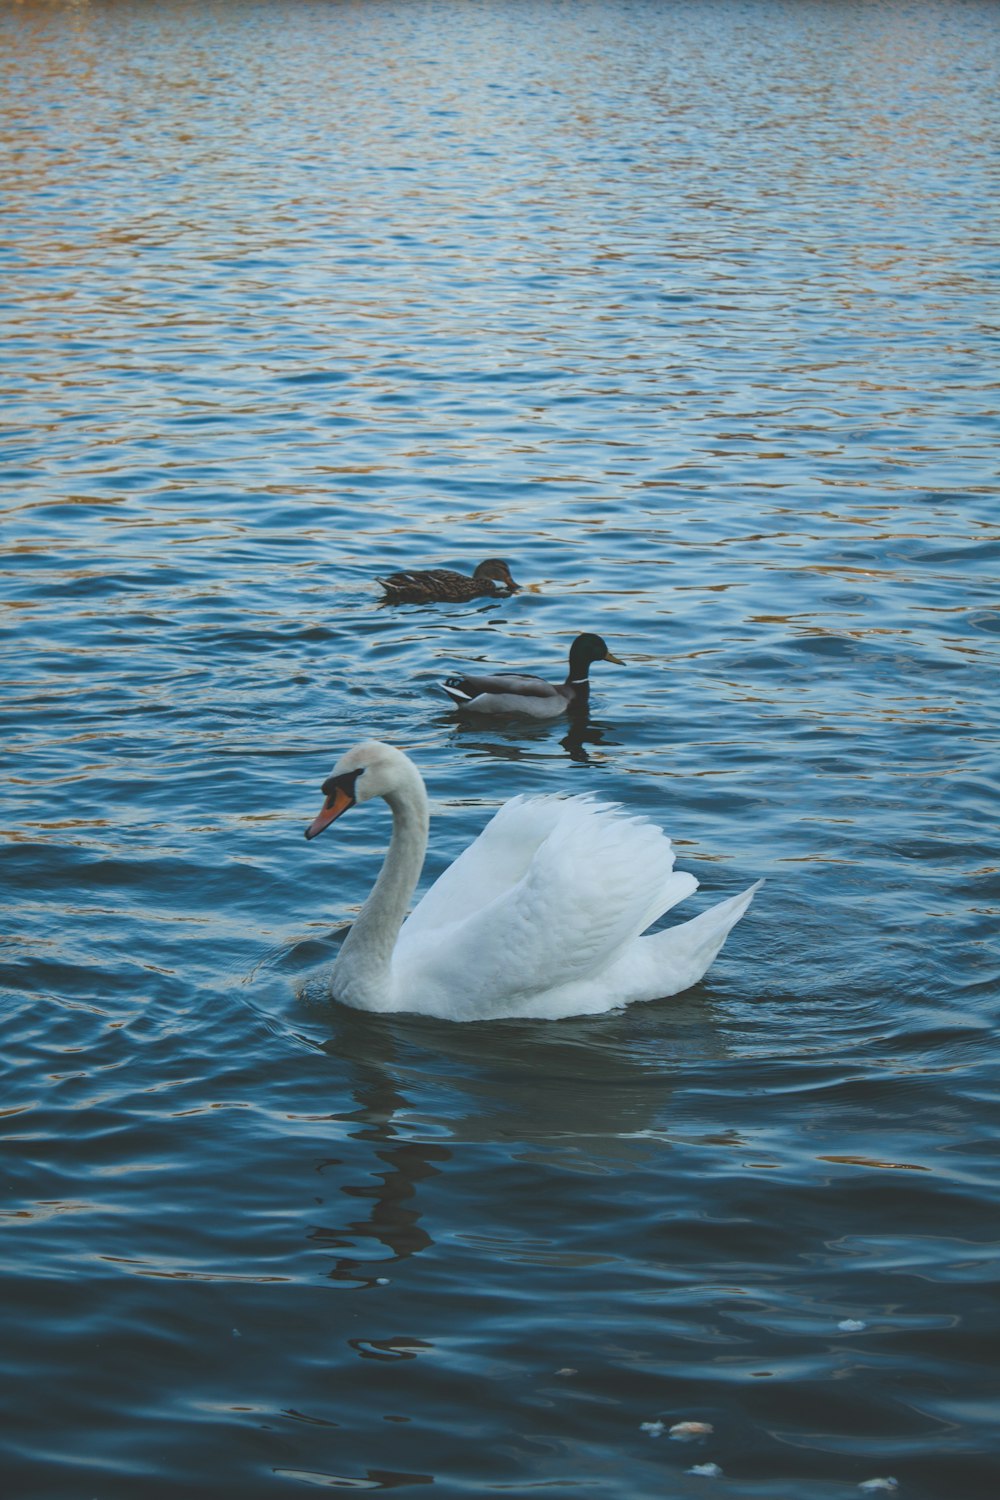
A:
(540, 916)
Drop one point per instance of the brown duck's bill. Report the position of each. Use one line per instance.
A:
(616, 659)
(332, 809)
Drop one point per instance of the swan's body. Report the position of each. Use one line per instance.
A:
(521, 693)
(542, 914)
(436, 584)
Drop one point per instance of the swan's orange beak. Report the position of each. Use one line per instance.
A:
(338, 802)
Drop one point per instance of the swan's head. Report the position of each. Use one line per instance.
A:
(368, 770)
(497, 571)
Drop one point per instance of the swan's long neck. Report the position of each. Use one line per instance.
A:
(362, 973)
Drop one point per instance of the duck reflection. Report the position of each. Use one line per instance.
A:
(584, 732)
(521, 740)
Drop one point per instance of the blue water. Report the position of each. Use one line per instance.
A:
(689, 311)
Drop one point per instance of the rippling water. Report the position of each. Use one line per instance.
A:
(688, 311)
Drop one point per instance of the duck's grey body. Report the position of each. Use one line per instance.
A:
(513, 693)
(529, 696)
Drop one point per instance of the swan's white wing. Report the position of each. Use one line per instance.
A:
(491, 864)
(651, 968)
(557, 906)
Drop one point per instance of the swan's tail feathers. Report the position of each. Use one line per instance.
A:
(686, 952)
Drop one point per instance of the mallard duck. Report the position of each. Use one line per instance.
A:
(519, 693)
(441, 584)
(542, 915)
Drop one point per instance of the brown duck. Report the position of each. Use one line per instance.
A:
(441, 584)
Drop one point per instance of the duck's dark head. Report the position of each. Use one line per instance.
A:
(497, 571)
(585, 650)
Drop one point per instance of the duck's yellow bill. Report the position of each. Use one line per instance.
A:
(616, 659)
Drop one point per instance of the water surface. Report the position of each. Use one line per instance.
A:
(689, 312)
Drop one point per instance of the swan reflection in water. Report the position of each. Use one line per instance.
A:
(594, 1093)
(385, 1199)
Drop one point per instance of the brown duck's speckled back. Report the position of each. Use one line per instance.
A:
(441, 584)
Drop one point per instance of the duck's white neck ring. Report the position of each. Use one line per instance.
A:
(577, 681)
